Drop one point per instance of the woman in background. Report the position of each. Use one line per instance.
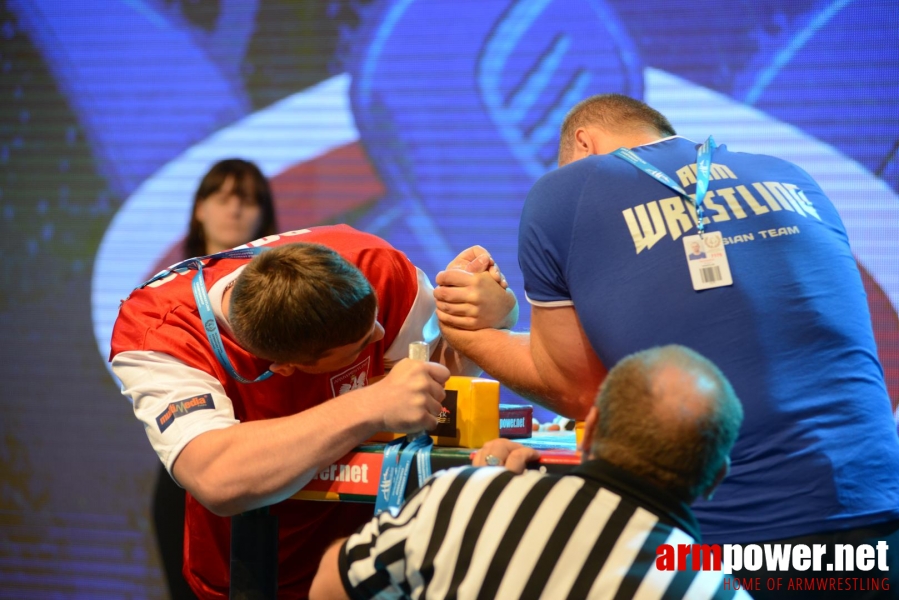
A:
(232, 206)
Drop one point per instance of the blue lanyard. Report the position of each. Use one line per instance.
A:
(396, 467)
(201, 296)
(192, 263)
(703, 173)
(423, 457)
(388, 475)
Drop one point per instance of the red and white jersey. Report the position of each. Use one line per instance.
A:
(179, 390)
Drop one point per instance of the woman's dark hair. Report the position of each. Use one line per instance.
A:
(248, 179)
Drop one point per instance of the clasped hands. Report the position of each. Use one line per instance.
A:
(473, 294)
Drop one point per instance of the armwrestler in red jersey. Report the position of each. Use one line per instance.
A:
(327, 310)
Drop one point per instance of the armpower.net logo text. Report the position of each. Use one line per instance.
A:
(815, 567)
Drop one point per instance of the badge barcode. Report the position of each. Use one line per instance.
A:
(710, 274)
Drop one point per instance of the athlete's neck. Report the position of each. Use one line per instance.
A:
(591, 140)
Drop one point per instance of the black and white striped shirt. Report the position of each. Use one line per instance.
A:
(487, 533)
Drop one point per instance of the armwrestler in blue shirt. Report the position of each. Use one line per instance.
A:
(602, 249)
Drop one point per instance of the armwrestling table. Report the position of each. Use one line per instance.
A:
(355, 478)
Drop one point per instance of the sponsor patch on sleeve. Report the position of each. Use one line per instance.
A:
(181, 408)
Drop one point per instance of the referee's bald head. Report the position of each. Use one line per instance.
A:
(669, 415)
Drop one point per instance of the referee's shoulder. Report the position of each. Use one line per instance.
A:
(472, 478)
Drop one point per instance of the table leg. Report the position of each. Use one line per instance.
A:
(254, 556)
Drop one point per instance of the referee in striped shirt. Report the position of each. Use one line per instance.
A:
(658, 437)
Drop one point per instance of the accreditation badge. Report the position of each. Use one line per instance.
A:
(707, 261)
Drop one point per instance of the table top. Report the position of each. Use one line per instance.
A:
(355, 477)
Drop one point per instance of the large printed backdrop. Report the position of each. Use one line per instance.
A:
(423, 121)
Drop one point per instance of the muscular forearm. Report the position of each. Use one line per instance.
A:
(455, 361)
(253, 464)
(507, 357)
(258, 463)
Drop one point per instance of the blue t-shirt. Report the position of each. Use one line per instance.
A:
(818, 449)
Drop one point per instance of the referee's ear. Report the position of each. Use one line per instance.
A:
(719, 477)
(590, 425)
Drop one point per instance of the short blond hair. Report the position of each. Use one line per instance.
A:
(611, 112)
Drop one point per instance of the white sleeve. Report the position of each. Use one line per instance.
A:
(175, 402)
(420, 324)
